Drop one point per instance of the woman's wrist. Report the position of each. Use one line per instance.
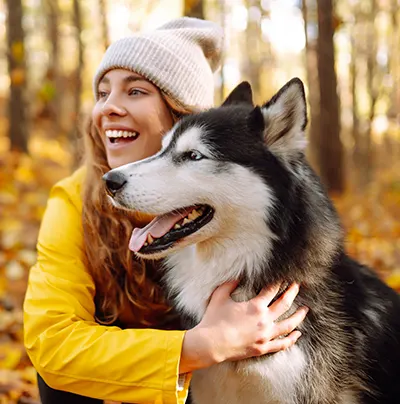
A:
(197, 350)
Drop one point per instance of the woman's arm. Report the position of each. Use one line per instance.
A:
(67, 347)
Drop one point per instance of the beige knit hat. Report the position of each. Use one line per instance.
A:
(179, 58)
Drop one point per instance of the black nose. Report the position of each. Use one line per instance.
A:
(114, 182)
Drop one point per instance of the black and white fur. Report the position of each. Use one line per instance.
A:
(273, 222)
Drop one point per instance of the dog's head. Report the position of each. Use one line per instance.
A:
(219, 174)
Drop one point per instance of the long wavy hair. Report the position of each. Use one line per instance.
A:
(123, 282)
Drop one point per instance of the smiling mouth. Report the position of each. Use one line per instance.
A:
(166, 230)
(121, 136)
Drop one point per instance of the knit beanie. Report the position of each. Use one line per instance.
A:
(179, 57)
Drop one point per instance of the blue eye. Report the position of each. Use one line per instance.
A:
(194, 155)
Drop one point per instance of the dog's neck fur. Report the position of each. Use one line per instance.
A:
(199, 269)
(193, 273)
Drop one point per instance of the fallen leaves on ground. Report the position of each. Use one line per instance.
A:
(371, 219)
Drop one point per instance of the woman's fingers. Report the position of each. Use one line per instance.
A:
(223, 292)
(266, 295)
(280, 344)
(284, 303)
(286, 326)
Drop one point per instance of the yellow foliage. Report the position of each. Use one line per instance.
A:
(9, 357)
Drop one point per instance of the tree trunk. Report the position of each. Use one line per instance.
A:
(331, 150)
(356, 134)
(104, 24)
(53, 74)
(78, 82)
(313, 93)
(194, 8)
(373, 95)
(222, 9)
(18, 132)
(394, 71)
(394, 65)
(252, 61)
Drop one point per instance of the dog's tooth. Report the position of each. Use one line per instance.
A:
(186, 220)
(177, 226)
(195, 214)
(150, 239)
(146, 244)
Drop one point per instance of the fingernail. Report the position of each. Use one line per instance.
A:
(305, 309)
(295, 288)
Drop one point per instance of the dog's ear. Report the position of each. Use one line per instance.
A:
(241, 94)
(256, 120)
(285, 117)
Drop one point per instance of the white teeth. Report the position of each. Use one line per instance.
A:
(177, 226)
(150, 239)
(186, 220)
(121, 133)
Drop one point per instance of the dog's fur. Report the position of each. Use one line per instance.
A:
(273, 222)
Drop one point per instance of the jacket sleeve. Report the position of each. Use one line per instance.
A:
(68, 348)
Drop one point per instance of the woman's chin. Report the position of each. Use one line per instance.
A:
(116, 160)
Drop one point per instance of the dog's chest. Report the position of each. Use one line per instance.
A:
(192, 281)
(271, 380)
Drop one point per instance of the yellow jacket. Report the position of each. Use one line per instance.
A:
(65, 344)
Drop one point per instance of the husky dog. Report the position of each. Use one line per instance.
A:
(234, 198)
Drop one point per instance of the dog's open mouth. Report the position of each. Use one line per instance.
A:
(165, 230)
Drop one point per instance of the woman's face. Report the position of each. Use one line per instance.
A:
(130, 116)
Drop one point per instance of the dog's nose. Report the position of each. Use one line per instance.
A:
(115, 181)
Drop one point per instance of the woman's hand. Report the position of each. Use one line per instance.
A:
(237, 330)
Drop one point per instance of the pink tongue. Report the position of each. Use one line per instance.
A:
(157, 228)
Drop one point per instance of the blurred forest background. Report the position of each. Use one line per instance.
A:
(346, 51)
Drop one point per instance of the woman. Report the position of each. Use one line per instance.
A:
(96, 321)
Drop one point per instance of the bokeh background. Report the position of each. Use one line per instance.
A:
(347, 52)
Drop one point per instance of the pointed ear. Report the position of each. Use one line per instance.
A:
(285, 117)
(256, 120)
(241, 94)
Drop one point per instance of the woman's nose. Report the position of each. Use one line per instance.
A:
(112, 107)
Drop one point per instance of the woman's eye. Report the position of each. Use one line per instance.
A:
(135, 91)
(102, 94)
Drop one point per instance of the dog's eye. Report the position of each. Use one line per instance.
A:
(193, 155)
